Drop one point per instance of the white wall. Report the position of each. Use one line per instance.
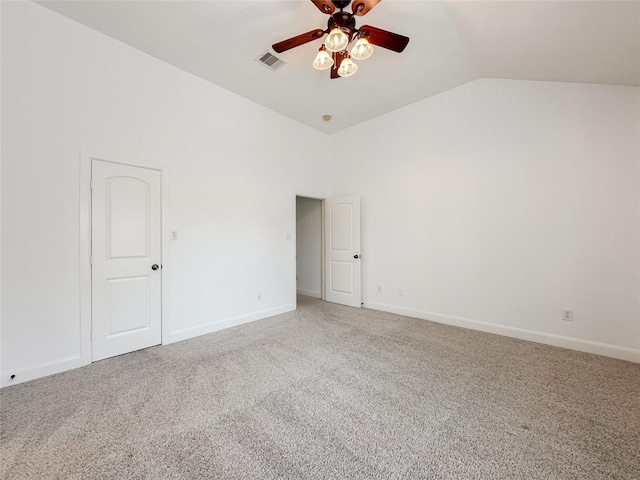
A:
(499, 203)
(309, 246)
(66, 88)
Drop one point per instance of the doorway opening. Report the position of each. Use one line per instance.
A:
(309, 247)
(327, 252)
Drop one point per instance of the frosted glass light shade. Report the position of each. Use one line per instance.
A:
(362, 49)
(347, 68)
(337, 40)
(323, 60)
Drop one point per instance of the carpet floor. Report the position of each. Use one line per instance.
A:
(330, 392)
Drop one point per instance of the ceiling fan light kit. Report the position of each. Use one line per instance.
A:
(323, 59)
(362, 49)
(341, 31)
(337, 40)
(347, 67)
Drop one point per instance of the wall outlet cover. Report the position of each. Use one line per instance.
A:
(567, 315)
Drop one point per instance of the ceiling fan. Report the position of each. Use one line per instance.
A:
(341, 30)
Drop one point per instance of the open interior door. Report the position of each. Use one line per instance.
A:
(342, 250)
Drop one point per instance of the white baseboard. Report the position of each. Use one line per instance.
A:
(33, 372)
(191, 332)
(309, 293)
(25, 374)
(622, 353)
(42, 370)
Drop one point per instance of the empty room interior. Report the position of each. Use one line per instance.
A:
(218, 261)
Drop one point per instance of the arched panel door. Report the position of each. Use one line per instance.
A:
(125, 258)
(342, 250)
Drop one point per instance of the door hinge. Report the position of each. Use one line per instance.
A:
(90, 259)
(91, 184)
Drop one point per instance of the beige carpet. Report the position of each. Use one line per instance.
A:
(330, 392)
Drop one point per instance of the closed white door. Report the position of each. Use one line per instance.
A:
(125, 258)
(342, 244)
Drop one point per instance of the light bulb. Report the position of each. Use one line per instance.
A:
(347, 67)
(362, 49)
(323, 59)
(337, 40)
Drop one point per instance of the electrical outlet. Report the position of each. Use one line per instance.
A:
(567, 315)
(174, 234)
(400, 292)
(259, 295)
(379, 288)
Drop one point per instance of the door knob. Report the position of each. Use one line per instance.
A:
(154, 266)
(356, 256)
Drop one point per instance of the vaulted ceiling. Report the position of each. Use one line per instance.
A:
(452, 42)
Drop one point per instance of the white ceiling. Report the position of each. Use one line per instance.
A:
(452, 42)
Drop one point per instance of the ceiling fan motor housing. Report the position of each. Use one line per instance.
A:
(344, 21)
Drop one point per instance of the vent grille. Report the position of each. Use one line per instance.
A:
(270, 61)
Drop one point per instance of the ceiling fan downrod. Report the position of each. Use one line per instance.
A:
(340, 3)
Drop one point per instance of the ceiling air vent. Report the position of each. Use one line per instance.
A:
(270, 61)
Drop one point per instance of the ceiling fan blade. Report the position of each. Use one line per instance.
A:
(361, 7)
(337, 60)
(325, 6)
(292, 42)
(385, 39)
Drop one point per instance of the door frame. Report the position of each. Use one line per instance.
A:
(295, 246)
(86, 159)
